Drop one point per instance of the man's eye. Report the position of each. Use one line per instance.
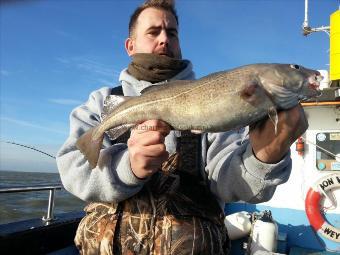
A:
(153, 32)
(172, 34)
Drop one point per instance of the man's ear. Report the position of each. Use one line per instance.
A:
(129, 46)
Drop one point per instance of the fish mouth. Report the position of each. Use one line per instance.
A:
(314, 86)
(314, 83)
(311, 87)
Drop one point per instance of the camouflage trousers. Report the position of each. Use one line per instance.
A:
(102, 231)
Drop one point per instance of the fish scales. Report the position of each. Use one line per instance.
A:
(187, 105)
(218, 102)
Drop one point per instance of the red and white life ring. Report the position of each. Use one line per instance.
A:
(312, 206)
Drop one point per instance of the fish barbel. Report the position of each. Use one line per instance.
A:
(215, 103)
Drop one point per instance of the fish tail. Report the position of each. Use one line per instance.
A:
(90, 147)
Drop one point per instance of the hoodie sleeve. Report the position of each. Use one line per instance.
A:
(112, 180)
(235, 174)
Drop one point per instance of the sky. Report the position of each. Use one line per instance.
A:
(54, 53)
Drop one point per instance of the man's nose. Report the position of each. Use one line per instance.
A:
(163, 38)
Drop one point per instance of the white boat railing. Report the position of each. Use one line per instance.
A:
(52, 188)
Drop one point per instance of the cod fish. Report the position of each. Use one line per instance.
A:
(218, 102)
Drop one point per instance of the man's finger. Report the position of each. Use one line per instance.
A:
(153, 125)
(149, 138)
(155, 151)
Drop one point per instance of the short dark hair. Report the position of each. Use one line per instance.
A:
(165, 5)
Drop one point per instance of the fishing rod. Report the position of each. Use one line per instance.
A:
(29, 147)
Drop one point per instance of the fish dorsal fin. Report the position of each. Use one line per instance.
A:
(156, 87)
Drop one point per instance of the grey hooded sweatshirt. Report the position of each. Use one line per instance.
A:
(232, 171)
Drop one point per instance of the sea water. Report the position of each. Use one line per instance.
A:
(27, 205)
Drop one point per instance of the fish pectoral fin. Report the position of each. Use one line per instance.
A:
(272, 113)
(253, 93)
(116, 132)
(90, 147)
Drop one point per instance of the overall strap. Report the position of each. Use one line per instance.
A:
(117, 91)
(189, 148)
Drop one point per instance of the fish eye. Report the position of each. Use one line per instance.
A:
(297, 67)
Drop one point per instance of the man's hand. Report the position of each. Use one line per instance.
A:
(146, 147)
(269, 147)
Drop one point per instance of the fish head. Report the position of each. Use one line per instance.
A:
(290, 83)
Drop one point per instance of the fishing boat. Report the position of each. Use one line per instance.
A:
(306, 209)
(303, 217)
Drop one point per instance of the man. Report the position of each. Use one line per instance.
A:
(163, 191)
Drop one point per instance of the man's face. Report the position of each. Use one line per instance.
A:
(155, 32)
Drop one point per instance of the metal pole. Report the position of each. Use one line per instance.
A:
(50, 209)
(52, 188)
(306, 29)
(305, 22)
